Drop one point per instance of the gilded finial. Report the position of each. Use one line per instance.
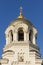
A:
(20, 10)
(21, 16)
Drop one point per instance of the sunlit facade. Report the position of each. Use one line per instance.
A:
(21, 47)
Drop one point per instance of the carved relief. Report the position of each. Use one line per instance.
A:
(20, 57)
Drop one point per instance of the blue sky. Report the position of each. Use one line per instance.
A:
(32, 10)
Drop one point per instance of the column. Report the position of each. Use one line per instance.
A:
(27, 36)
(24, 36)
(7, 39)
(34, 40)
(15, 36)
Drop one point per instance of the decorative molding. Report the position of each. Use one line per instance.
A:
(4, 61)
(34, 46)
(21, 25)
(6, 53)
(16, 62)
(38, 61)
(27, 62)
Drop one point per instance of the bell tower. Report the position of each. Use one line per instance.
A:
(21, 47)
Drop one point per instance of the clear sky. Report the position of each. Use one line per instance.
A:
(32, 10)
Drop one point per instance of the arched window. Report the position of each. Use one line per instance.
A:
(20, 35)
(30, 35)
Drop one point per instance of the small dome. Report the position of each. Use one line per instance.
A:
(21, 18)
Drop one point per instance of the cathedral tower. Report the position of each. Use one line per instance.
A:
(21, 47)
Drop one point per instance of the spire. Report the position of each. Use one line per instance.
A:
(21, 10)
(21, 15)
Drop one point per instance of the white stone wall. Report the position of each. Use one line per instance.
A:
(20, 47)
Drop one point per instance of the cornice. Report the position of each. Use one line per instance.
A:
(16, 62)
(4, 61)
(8, 54)
(38, 61)
(34, 46)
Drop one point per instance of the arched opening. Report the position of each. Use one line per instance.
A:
(20, 35)
(30, 35)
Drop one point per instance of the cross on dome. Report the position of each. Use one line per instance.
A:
(20, 10)
(21, 15)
